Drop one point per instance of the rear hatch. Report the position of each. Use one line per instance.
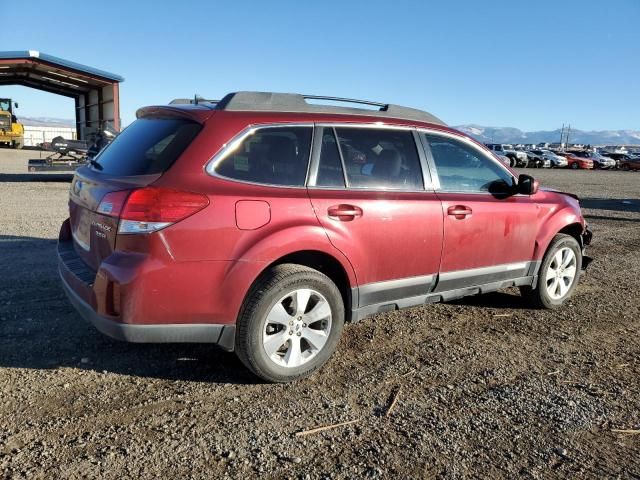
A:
(135, 159)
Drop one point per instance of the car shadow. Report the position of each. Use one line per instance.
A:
(605, 217)
(614, 204)
(496, 300)
(39, 329)
(35, 177)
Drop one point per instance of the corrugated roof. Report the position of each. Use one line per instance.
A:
(60, 62)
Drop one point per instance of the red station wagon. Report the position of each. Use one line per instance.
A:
(264, 221)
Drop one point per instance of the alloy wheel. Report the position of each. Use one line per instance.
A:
(297, 328)
(561, 273)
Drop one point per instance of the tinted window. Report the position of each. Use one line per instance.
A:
(147, 146)
(380, 158)
(330, 172)
(276, 156)
(462, 168)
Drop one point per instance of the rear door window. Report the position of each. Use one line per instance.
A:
(274, 156)
(380, 158)
(147, 146)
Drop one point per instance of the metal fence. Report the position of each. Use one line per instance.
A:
(34, 135)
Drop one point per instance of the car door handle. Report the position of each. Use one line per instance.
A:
(344, 212)
(459, 211)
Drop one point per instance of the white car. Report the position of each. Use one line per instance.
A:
(557, 161)
(599, 161)
(503, 158)
(518, 158)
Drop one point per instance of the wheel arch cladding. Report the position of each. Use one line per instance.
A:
(566, 222)
(575, 230)
(320, 261)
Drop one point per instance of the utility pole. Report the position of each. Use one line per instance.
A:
(561, 135)
(568, 131)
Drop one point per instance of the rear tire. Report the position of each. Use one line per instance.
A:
(280, 341)
(558, 275)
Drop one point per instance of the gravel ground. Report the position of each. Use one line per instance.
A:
(484, 387)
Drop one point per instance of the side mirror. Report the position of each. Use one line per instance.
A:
(15, 104)
(527, 185)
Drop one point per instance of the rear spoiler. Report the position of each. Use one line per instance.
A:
(195, 113)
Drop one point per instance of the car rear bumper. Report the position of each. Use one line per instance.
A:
(223, 335)
(78, 283)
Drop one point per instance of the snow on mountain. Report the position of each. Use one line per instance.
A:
(514, 135)
(46, 122)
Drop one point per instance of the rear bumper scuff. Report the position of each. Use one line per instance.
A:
(222, 335)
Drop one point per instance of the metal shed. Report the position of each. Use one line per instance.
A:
(96, 92)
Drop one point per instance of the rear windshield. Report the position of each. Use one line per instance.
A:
(147, 146)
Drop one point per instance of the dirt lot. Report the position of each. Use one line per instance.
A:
(489, 388)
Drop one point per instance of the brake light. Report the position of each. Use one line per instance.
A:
(151, 208)
(113, 202)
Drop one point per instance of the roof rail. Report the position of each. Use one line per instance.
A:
(294, 102)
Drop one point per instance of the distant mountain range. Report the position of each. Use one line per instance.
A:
(46, 122)
(480, 133)
(514, 135)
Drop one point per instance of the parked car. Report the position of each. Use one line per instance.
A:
(537, 160)
(619, 158)
(630, 163)
(503, 158)
(574, 162)
(599, 161)
(556, 161)
(262, 223)
(518, 158)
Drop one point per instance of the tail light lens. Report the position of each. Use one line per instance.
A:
(152, 208)
(113, 202)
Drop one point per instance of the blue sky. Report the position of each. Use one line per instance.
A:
(532, 65)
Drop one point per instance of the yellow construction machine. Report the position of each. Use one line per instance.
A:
(11, 132)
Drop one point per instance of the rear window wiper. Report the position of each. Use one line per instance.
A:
(95, 164)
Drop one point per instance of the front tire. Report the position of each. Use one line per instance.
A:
(558, 275)
(291, 323)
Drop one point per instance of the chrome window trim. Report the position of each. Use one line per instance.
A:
(435, 179)
(347, 185)
(376, 125)
(315, 156)
(236, 141)
(466, 141)
(427, 183)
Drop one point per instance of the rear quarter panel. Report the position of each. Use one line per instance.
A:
(211, 239)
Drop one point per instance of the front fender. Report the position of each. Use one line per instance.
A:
(554, 220)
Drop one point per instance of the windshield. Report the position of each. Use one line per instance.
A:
(5, 104)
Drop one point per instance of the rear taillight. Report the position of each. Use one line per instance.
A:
(113, 202)
(149, 209)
